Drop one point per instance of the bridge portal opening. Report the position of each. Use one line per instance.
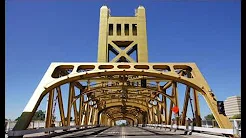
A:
(121, 122)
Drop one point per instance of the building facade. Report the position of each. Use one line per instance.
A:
(232, 106)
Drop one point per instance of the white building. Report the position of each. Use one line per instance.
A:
(232, 106)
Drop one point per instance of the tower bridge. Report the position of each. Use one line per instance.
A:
(122, 85)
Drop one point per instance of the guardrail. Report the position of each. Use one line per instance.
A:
(32, 131)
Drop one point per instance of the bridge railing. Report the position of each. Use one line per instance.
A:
(32, 131)
(9, 125)
(234, 131)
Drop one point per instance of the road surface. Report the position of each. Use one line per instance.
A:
(132, 132)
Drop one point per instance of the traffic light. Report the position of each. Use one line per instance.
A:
(143, 83)
(220, 106)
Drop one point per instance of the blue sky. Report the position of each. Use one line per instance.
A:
(40, 32)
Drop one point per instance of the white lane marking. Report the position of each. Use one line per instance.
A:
(114, 132)
(99, 133)
(123, 132)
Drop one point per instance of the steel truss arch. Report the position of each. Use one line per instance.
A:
(197, 82)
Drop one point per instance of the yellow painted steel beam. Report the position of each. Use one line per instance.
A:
(87, 113)
(139, 98)
(120, 113)
(128, 115)
(116, 111)
(90, 120)
(84, 113)
(176, 99)
(171, 106)
(70, 98)
(120, 105)
(81, 99)
(211, 100)
(185, 105)
(128, 100)
(108, 122)
(162, 114)
(74, 106)
(95, 121)
(131, 94)
(149, 118)
(78, 85)
(92, 115)
(60, 103)
(103, 29)
(123, 52)
(159, 113)
(48, 120)
(154, 115)
(197, 109)
(140, 73)
(129, 87)
(114, 80)
(129, 103)
(165, 106)
(160, 110)
(169, 84)
(186, 101)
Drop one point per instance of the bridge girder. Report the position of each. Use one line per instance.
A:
(117, 111)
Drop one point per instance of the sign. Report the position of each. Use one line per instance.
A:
(175, 109)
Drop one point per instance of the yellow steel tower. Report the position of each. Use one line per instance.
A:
(122, 36)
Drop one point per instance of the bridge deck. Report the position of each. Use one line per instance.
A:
(123, 132)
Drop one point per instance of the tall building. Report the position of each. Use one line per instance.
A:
(232, 106)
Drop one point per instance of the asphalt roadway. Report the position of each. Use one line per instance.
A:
(132, 132)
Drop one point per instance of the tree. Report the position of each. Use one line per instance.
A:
(209, 117)
(39, 115)
(17, 118)
(237, 116)
(122, 124)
